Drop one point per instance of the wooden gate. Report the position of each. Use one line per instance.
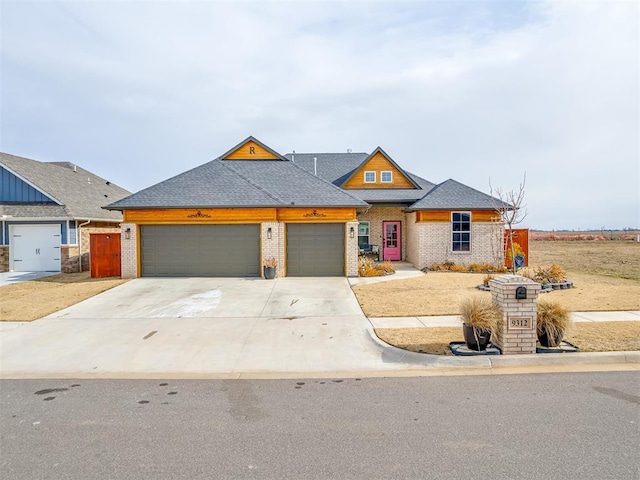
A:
(521, 238)
(105, 255)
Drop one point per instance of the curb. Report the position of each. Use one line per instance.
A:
(391, 353)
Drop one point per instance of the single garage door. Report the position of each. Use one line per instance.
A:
(200, 250)
(315, 249)
(35, 248)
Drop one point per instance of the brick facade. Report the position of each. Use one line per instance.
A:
(430, 242)
(129, 250)
(351, 254)
(375, 216)
(274, 246)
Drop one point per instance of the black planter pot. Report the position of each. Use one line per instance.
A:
(269, 272)
(476, 339)
(547, 340)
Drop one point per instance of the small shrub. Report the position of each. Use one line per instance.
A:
(473, 268)
(554, 319)
(368, 267)
(270, 262)
(487, 278)
(480, 312)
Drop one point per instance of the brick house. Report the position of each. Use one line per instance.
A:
(313, 212)
(48, 210)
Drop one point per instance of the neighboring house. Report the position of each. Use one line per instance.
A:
(313, 212)
(47, 211)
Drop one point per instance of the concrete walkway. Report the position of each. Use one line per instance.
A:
(403, 270)
(455, 321)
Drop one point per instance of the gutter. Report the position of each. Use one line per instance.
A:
(80, 244)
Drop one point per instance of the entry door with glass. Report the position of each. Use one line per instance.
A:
(392, 241)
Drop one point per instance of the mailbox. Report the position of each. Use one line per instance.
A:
(521, 293)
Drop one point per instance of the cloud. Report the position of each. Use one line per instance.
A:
(140, 91)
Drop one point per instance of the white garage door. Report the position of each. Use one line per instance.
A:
(35, 248)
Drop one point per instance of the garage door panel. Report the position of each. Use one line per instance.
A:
(200, 250)
(315, 249)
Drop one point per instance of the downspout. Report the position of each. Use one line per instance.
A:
(80, 244)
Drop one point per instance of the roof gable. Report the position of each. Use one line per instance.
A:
(15, 189)
(379, 162)
(452, 195)
(251, 149)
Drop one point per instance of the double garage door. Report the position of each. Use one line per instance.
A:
(234, 250)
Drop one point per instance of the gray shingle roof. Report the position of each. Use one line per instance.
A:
(333, 167)
(246, 183)
(82, 193)
(389, 195)
(450, 195)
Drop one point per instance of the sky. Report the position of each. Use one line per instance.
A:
(482, 92)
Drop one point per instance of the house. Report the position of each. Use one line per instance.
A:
(313, 213)
(48, 210)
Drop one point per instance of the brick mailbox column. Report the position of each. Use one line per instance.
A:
(516, 333)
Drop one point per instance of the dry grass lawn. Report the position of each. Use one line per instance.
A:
(588, 337)
(606, 277)
(27, 301)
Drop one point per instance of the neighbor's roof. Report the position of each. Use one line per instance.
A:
(81, 193)
(247, 183)
(454, 195)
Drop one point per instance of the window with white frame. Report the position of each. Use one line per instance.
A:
(369, 177)
(363, 234)
(386, 177)
(461, 231)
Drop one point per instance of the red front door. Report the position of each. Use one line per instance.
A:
(392, 241)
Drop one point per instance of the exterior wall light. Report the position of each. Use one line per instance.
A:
(269, 233)
(127, 233)
(352, 232)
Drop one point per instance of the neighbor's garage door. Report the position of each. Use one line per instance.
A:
(315, 249)
(200, 250)
(35, 248)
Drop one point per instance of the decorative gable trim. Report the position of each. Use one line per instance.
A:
(252, 149)
(363, 166)
(30, 184)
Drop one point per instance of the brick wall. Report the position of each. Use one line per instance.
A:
(430, 242)
(376, 215)
(351, 250)
(274, 246)
(129, 251)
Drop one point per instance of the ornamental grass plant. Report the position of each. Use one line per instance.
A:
(553, 320)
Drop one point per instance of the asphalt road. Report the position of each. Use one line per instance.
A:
(545, 426)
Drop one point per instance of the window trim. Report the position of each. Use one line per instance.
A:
(460, 242)
(374, 176)
(390, 172)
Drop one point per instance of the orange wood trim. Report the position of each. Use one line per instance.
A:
(201, 216)
(379, 163)
(251, 151)
(445, 215)
(316, 215)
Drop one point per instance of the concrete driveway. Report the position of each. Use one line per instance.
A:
(205, 327)
(7, 278)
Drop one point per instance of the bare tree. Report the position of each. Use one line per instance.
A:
(509, 204)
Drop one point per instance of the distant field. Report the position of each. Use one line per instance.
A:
(604, 233)
(618, 258)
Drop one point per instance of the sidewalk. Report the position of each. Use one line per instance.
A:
(455, 321)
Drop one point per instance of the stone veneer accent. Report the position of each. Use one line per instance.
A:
(509, 339)
(129, 251)
(375, 216)
(430, 242)
(4, 258)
